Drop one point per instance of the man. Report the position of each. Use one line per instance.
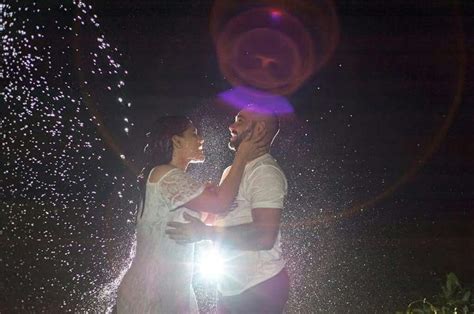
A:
(248, 236)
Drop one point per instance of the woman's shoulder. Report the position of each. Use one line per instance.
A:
(159, 172)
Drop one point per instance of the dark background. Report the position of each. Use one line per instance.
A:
(379, 157)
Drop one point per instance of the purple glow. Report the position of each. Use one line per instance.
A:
(276, 14)
(241, 97)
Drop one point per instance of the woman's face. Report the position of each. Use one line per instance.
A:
(192, 144)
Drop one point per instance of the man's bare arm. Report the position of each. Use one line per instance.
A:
(258, 235)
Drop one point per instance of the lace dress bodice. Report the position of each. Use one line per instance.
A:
(159, 280)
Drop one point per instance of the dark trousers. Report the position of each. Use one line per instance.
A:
(269, 296)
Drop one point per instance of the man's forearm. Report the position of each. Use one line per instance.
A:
(248, 237)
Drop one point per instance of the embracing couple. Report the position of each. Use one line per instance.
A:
(246, 209)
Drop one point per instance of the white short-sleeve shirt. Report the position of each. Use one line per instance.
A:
(263, 185)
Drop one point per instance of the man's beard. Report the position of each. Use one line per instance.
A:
(234, 145)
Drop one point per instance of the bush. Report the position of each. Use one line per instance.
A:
(453, 299)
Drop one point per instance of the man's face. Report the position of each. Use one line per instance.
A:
(241, 127)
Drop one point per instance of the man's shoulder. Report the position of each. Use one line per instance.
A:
(266, 175)
(267, 161)
(267, 166)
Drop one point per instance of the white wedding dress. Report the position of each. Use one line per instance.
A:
(159, 279)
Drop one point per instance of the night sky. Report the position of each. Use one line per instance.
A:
(379, 154)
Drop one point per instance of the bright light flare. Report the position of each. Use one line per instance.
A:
(211, 265)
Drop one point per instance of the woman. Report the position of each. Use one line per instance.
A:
(159, 280)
